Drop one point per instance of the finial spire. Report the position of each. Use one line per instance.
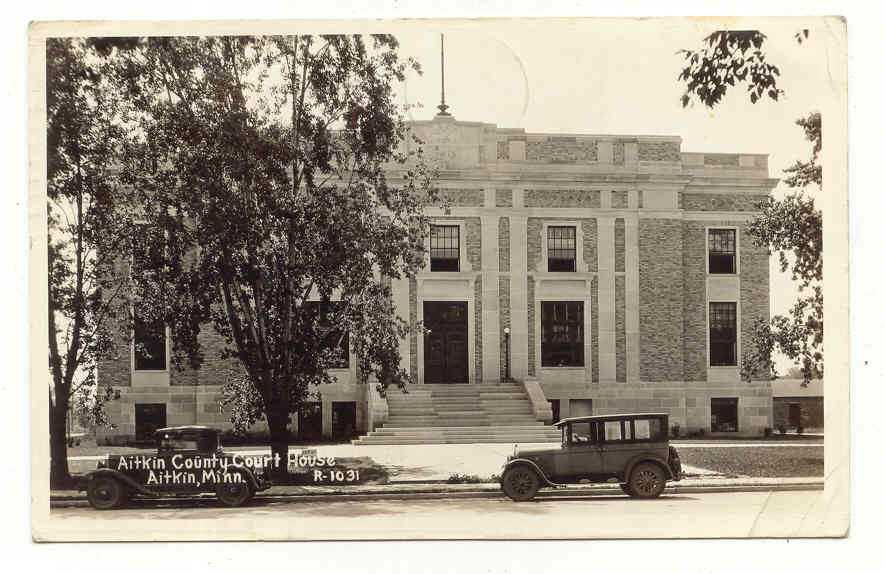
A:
(442, 64)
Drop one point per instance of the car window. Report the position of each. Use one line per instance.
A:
(628, 430)
(178, 443)
(581, 433)
(612, 430)
(648, 429)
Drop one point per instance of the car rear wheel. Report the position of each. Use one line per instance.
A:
(236, 492)
(647, 480)
(520, 483)
(106, 493)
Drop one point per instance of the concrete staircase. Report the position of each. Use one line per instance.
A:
(443, 414)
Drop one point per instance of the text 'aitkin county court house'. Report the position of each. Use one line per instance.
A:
(614, 272)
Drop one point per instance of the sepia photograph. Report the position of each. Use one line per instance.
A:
(439, 279)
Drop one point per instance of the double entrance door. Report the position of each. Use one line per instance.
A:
(445, 345)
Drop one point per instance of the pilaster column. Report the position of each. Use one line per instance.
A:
(606, 251)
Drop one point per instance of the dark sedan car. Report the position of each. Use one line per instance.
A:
(630, 448)
(189, 460)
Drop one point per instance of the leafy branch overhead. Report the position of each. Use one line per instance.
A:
(728, 58)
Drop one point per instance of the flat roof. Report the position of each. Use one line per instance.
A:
(607, 417)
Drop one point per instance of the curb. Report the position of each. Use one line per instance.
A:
(493, 491)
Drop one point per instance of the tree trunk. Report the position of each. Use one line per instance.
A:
(59, 476)
(278, 425)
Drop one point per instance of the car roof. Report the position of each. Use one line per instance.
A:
(607, 417)
(186, 428)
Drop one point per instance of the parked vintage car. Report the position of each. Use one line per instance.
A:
(189, 460)
(630, 448)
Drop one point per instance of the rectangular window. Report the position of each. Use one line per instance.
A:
(723, 334)
(724, 415)
(445, 247)
(648, 429)
(562, 334)
(722, 251)
(612, 430)
(150, 345)
(335, 339)
(582, 432)
(561, 250)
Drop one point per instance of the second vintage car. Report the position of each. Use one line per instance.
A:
(189, 460)
(630, 448)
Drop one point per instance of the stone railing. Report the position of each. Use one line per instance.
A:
(540, 407)
(376, 405)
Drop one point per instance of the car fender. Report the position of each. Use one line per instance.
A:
(647, 458)
(125, 479)
(534, 466)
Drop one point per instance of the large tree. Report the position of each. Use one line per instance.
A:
(82, 141)
(263, 166)
(790, 227)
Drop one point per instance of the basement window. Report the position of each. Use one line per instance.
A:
(724, 415)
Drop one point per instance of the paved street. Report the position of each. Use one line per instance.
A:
(686, 515)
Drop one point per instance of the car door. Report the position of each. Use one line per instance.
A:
(584, 451)
(618, 446)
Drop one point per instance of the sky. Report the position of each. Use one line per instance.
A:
(620, 77)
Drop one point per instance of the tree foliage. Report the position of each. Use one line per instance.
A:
(728, 58)
(82, 139)
(266, 163)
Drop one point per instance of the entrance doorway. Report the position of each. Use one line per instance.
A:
(445, 345)
(794, 415)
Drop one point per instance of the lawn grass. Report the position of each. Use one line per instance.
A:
(758, 461)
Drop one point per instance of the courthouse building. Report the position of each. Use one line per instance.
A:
(572, 274)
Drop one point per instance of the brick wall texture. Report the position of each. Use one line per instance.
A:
(721, 202)
(463, 197)
(504, 244)
(530, 297)
(694, 294)
(477, 331)
(618, 153)
(533, 243)
(620, 329)
(619, 199)
(591, 256)
(659, 151)
(811, 411)
(503, 198)
(754, 303)
(561, 149)
(413, 331)
(562, 198)
(660, 300)
(474, 242)
(594, 328)
(620, 238)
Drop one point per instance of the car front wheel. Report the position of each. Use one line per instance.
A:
(520, 483)
(647, 480)
(106, 493)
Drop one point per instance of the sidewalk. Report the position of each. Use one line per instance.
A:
(399, 490)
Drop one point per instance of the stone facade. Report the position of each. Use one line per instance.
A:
(641, 209)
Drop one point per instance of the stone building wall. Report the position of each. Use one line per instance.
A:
(660, 300)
